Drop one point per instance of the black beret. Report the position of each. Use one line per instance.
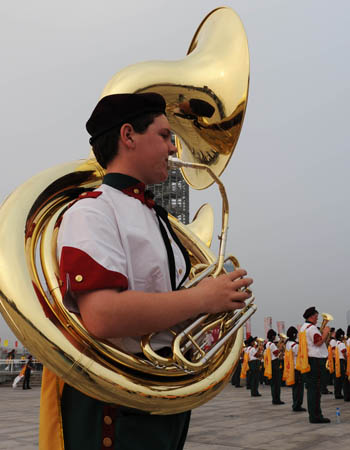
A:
(271, 334)
(310, 312)
(250, 340)
(114, 110)
(339, 334)
(292, 332)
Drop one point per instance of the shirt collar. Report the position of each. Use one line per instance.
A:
(129, 186)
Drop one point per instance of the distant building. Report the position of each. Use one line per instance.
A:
(173, 195)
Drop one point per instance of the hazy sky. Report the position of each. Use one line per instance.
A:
(288, 179)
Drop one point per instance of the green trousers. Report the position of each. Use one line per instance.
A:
(89, 424)
(313, 380)
(298, 390)
(276, 381)
(254, 367)
(341, 384)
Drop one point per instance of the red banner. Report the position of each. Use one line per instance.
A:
(248, 329)
(267, 324)
(281, 327)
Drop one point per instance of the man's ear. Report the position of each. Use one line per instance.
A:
(127, 134)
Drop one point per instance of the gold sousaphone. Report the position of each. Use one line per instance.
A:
(206, 96)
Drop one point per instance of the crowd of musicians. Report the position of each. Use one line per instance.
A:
(314, 357)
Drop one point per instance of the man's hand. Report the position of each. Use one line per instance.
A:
(224, 293)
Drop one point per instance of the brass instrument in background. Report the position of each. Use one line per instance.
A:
(206, 96)
(325, 319)
(281, 345)
(260, 348)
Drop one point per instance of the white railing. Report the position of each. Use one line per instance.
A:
(15, 365)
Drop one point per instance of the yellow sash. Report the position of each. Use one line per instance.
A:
(288, 371)
(348, 361)
(302, 363)
(330, 361)
(50, 429)
(244, 365)
(268, 363)
(337, 363)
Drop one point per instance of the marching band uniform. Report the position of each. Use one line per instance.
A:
(330, 364)
(236, 376)
(254, 366)
(245, 371)
(298, 386)
(275, 369)
(114, 238)
(341, 380)
(317, 355)
(347, 373)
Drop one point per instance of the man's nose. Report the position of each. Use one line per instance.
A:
(172, 149)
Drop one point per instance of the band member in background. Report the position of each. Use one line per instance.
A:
(121, 267)
(315, 358)
(275, 368)
(245, 371)
(347, 343)
(255, 354)
(281, 345)
(298, 386)
(341, 382)
(236, 376)
(329, 380)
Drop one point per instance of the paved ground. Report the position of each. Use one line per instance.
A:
(233, 420)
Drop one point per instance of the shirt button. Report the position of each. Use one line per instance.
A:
(107, 442)
(107, 420)
(136, 191)
(180, 271)
(79, 278)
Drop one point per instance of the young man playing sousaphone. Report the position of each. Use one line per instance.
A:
(122, 265)
(311, 362)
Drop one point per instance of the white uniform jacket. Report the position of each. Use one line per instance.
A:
(312, 336)
(113, 239)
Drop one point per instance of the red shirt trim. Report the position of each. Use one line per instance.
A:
(317, 338)
(86, 274)
(138, 191)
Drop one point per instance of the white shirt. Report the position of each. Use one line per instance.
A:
(313, 350)
(291, 345)
(272, 348)
(341, 346)
(252, 352)
(123, 236)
